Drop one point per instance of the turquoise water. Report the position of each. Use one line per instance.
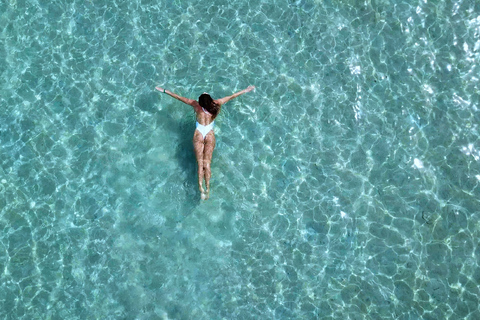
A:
(345, 187)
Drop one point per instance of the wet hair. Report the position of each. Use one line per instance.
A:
(207, 103)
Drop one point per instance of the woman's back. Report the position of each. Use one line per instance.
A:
(203, 116)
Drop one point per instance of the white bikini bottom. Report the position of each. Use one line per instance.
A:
(204, 130)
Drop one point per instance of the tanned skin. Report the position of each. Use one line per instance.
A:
(204, 147)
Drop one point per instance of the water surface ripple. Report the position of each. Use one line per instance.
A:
(345, 187)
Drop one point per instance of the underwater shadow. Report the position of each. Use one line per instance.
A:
(184, 153)
(185, 156)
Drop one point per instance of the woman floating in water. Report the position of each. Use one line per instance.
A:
(206, 110)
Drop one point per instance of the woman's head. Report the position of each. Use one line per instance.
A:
(207, 103)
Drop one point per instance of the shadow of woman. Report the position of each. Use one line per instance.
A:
(184, 153)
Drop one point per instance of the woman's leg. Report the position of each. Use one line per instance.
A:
(207, 158)
(198, 146)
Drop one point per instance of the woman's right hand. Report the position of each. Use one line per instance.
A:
(250, 88)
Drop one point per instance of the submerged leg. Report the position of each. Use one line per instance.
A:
(198, 146)
(207, 158)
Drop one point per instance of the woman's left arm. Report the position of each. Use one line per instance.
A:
(226, 99)
(190, 102)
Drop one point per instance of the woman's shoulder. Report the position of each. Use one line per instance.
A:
(196, 106)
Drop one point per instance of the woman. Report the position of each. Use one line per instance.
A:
(206, 110)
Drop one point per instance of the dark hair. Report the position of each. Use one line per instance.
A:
(207, 103)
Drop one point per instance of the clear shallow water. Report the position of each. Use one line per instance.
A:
(345, 186)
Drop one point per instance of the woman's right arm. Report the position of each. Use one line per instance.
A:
(176, 96)
(226, 99)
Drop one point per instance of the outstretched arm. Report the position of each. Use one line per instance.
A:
(226, 99)
(176, 96)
